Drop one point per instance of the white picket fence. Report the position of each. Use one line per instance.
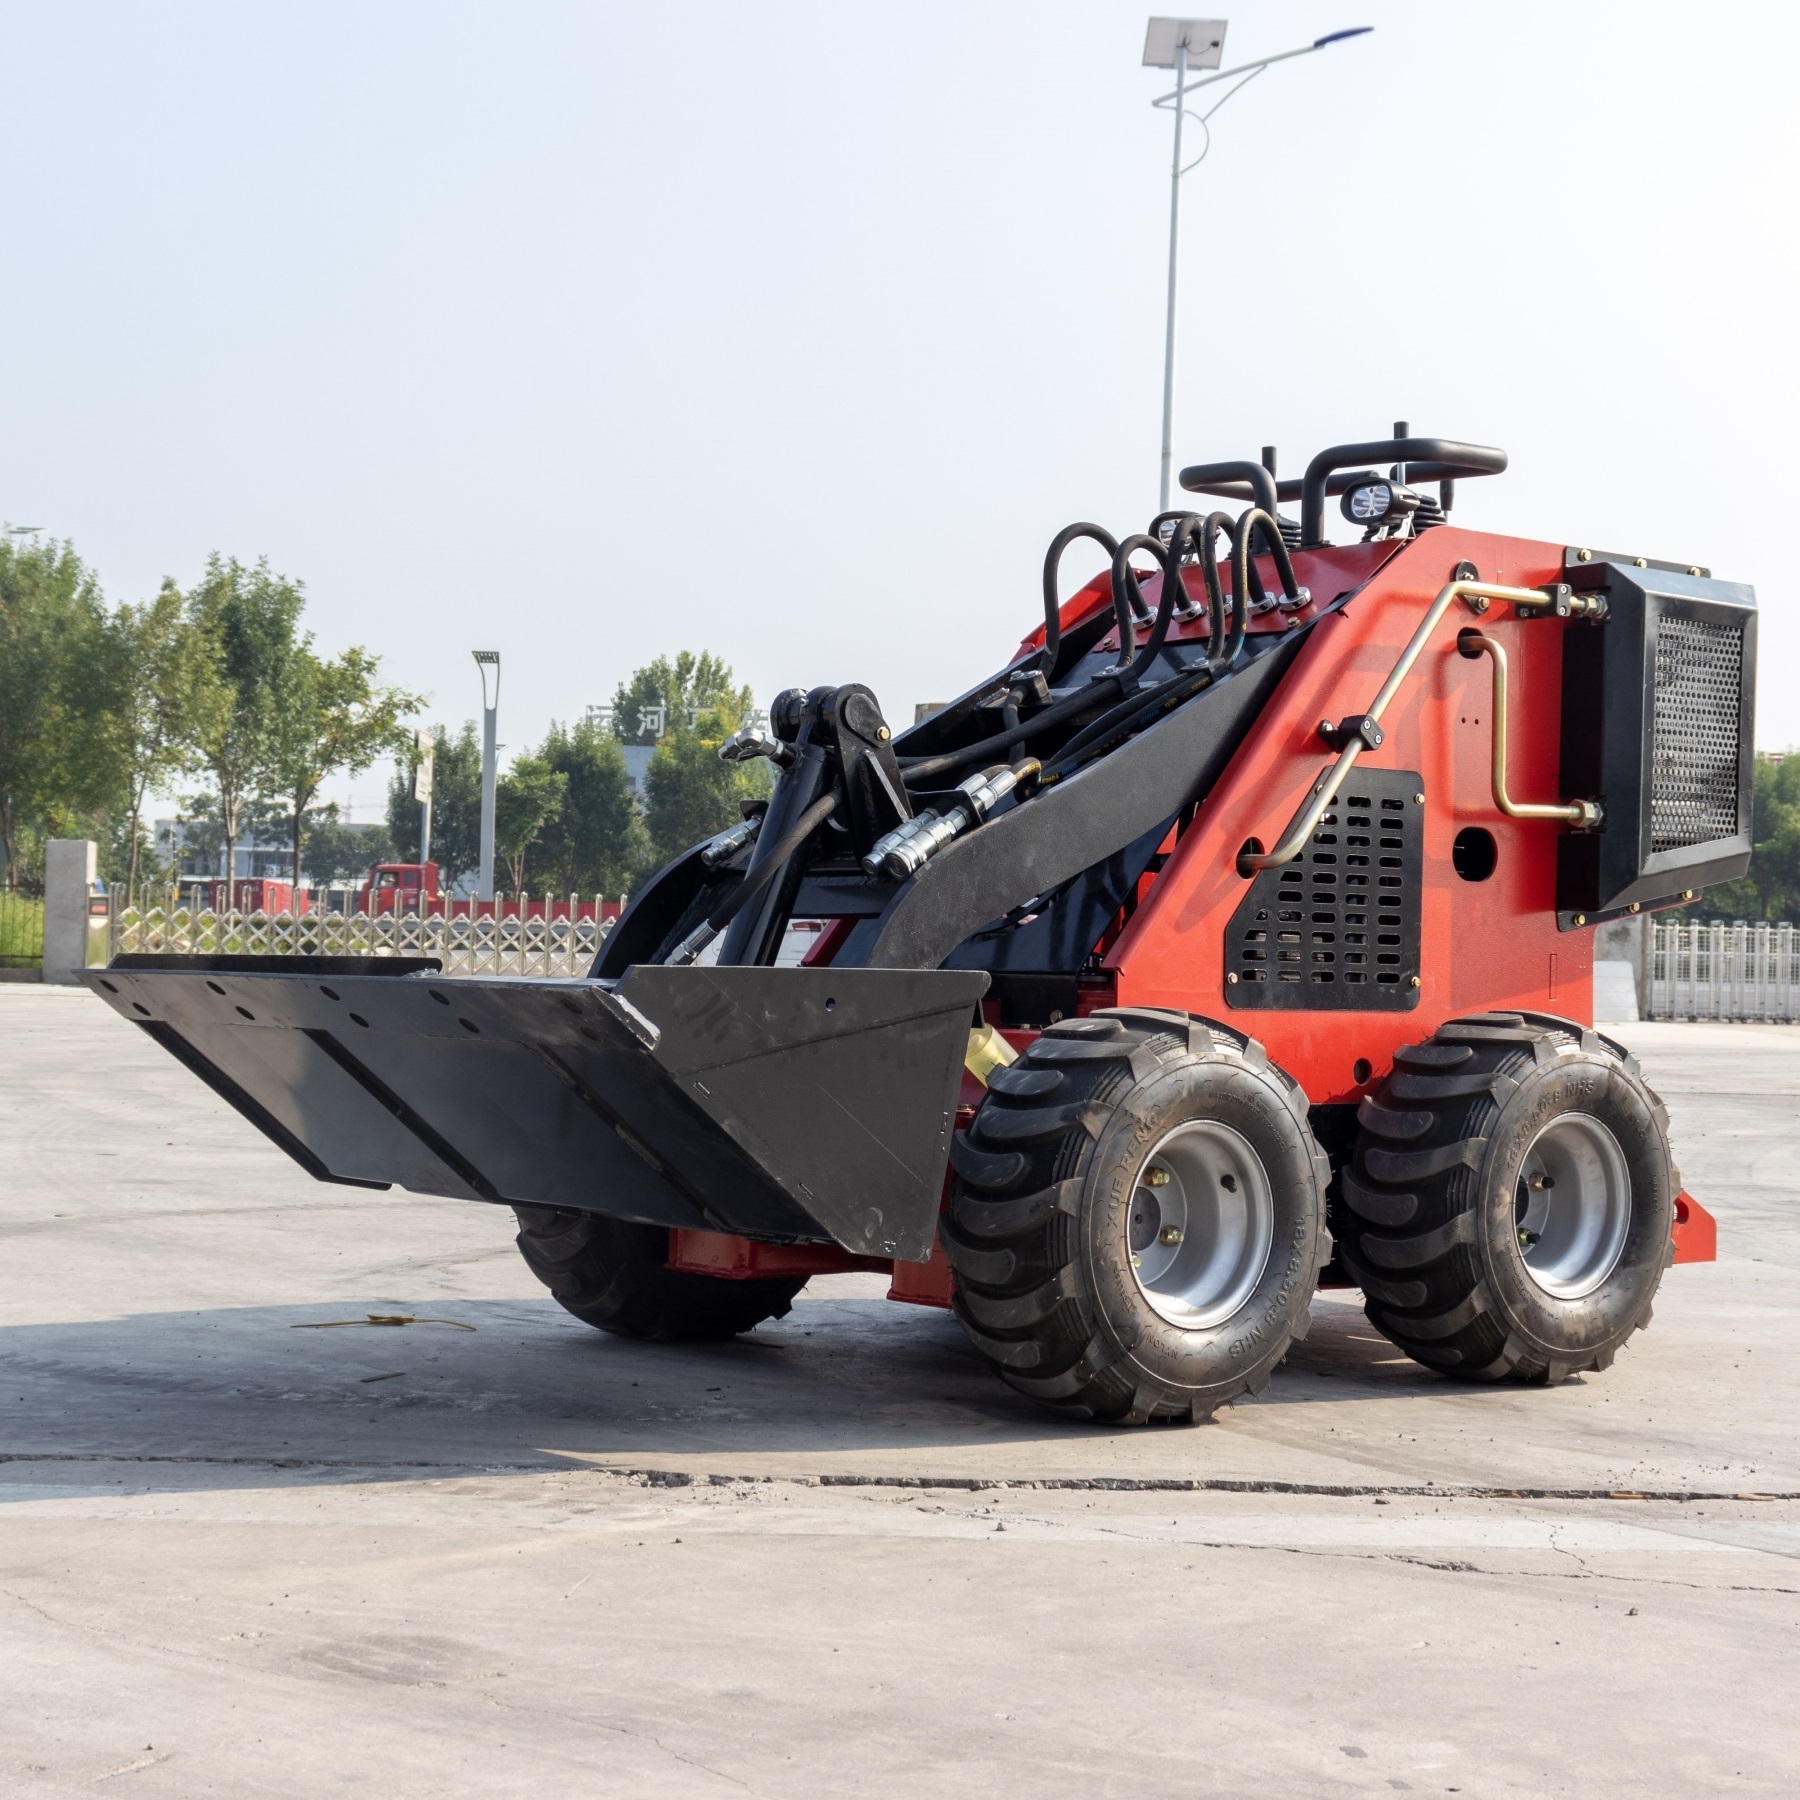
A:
(464, 946)
(1721, 971)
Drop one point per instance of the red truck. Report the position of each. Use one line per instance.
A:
(399, 887)
(254, 894)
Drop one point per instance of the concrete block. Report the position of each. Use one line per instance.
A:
(1627, 941)
(1615, 993)
(70, 867)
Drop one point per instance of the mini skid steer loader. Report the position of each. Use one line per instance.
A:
(1236, 937)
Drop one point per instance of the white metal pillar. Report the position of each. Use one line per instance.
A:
(1168, 419)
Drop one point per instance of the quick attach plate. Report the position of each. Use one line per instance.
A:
(1337, 929)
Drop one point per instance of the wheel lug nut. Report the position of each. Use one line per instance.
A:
(1156, 1178)
(1170, 1234)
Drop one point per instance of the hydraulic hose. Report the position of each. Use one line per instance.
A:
(1124, 678)
(1244, 574)
(1221, 652)
(920, 770)
(1122, 716)
(1052, 564)
(1131, 667)
(1203, 532)
(754, 883)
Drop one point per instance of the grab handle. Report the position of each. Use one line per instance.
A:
(1363, 731)
(1585, 815)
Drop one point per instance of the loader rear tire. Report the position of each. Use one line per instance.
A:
(1138, 1218)
(611, 1274)
(1509, 1210)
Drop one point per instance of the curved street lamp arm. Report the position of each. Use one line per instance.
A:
(1256, 68)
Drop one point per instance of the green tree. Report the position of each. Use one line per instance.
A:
(681, 690)
(526, 798)
(247, 619)
(166, 690)
(1770, 888)
(54, 756)
(339, 852)
(455, 805)
(596, 844)
(326, 718)
(689, 793)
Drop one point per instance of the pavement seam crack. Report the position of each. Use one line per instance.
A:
(1121, 1484)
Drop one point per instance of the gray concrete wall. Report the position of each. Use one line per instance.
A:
(70, 865)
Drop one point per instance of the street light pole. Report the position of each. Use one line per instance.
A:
(489, 714)
(1183, 45)
(1168, 419)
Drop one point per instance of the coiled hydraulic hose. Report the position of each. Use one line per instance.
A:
(1124, 677)
(1202, 532)
(1052, 604)
(1244, 574)
(1130, 669)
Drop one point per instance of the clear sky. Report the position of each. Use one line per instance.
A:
(794, 331)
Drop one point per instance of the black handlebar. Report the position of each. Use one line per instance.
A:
(1426, 459)
(1235, 481)
(1337, 469)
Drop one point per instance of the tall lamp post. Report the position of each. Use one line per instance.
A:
(489, 712)
(1184, 45)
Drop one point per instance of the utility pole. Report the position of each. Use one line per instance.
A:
(490, 710)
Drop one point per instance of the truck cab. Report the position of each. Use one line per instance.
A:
(399, 887)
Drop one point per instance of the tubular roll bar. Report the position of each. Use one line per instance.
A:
(1426, 459)
(1325, 789)
(1237, 481)
(1334, 470)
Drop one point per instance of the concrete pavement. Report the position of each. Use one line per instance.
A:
(239, 1557)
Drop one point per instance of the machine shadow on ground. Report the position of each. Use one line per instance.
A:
(206, 1398)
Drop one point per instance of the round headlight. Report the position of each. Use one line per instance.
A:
(1368, 504)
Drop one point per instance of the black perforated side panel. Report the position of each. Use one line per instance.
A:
(1337, 929)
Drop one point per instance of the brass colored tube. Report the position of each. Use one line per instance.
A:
(1478, 595)
(1584, 814)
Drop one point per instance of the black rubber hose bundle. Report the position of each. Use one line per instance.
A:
(1124, 678)
(777, 858)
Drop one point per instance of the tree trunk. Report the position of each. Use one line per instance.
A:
(228, 819)
(299, 810)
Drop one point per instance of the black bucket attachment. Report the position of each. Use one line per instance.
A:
(787, 1104)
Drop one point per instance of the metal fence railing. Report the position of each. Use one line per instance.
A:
(484, 946)
(1721, 971)
(21, 931)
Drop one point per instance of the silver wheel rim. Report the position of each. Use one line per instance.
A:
(1201, 1225)
(1572, 1206)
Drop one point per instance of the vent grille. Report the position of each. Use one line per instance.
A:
(1337, 929)
(1694, 745)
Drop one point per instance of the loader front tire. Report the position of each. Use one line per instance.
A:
(610, 1273)
(1138, 1218)
(1509, 1210)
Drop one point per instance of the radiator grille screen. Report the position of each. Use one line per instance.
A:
(1694, 748)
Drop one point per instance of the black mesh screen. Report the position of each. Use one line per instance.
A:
(1337, 929)
(1694, 745)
